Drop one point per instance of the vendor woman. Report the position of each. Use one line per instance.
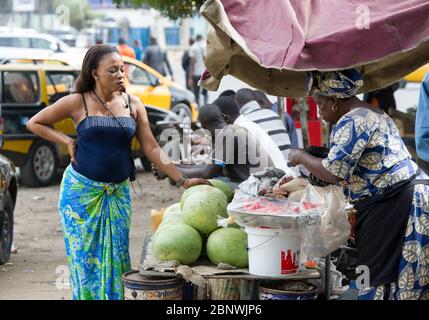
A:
(368, 159)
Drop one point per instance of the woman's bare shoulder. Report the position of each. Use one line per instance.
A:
(71, 100)
(135, 100)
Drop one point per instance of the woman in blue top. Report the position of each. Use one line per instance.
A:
(95, 204)
(369, 160)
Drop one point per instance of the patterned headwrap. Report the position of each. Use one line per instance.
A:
(340, 84)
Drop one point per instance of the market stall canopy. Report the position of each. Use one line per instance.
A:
(272, 44)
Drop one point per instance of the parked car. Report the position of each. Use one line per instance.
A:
(67, 34)
(8, 194)
(19, 43)
(25, 89)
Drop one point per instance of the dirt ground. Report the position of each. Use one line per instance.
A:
(38, 270)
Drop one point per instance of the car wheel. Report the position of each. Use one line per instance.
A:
(182, 110)
(41, 166)
(6, 228)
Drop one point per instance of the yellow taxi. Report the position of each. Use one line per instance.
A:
(418, 75)
(156, 90)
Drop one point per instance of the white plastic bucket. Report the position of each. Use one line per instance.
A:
(273, 252)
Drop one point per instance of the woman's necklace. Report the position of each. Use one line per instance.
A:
(105, 104)
(101, 101)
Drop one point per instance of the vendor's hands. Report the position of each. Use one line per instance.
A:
(194, 182)
(294, 157)
(71, 147)
(159, 175)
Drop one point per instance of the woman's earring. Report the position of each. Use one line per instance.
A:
(334, 108)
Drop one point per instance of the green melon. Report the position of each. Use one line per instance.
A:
(172, 212)
(202, 208)
(201, 187)
(228, 245)
(177, 242)
(224, 187)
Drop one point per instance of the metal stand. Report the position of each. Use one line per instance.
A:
(327, 277)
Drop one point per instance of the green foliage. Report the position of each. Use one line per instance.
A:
(172, 9)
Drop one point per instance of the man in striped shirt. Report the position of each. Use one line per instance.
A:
(266, 119)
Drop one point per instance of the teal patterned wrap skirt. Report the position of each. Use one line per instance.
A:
(95, 218)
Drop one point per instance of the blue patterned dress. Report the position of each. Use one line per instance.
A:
(367, 152)
(96, 221)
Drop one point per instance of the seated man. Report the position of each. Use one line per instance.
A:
(266, 119)
(236, 153)
(231, 113)
(289, 124)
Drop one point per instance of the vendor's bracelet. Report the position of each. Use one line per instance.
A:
(181, 181)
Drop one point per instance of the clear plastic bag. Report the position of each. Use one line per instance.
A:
(264, 212)
(323, 234)
(320, 217)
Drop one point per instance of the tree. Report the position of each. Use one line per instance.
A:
(172, 9)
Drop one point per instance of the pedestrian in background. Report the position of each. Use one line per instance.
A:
(125, 50)
(197, 67)
(95, 202)
(186, 62)
(138, 49)
(157, 59)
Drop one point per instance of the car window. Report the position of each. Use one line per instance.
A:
(15, 42)
(20, 87)
(37, 43)
(59, 84)
(137, 75)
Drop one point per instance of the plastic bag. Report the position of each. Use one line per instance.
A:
(323, 234)
(265, 212)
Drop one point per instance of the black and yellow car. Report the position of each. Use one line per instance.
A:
(8, 194)
(27, 86)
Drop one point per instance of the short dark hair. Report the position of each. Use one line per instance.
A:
(210, 113)
(228, 106)
(262, 99)
(244, 96)
(153, 40)
(122, 41)
(85, 82)
(227, 93)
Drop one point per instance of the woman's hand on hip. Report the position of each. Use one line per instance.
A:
(71, 146)
(295, 156)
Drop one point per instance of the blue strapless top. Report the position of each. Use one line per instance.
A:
(103, 148)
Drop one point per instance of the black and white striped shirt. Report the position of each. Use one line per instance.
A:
(270, 122)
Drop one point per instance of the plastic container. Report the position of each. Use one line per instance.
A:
(273, 252)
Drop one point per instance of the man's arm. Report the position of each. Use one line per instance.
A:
(206, 172)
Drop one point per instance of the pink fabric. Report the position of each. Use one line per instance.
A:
(322, 34)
